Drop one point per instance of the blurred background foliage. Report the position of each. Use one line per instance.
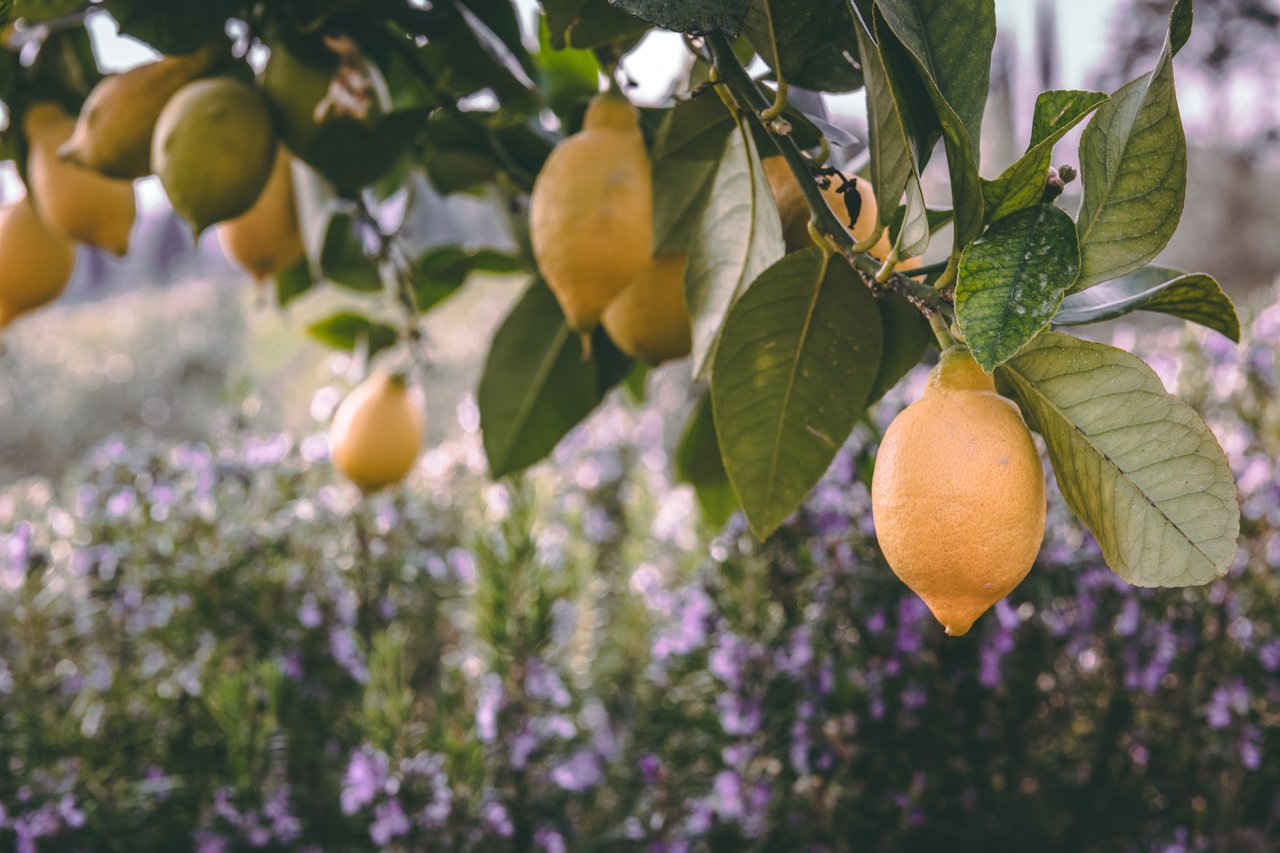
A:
(205, 640)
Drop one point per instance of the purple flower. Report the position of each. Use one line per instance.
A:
(496, 819)
(549, 840)
(580, 772)
(738, 716)
(343, 648)
(489, 701)
(650, 766)
(365, 778)
(389, 821)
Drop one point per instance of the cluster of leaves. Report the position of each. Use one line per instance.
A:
(206, 647)
(794, 346)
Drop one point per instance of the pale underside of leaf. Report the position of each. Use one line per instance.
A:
(1137, 464)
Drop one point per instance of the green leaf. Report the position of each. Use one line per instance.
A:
(536, 385)
(687, 151)
(1133, 165)
(1022, 184)
(1137, 464)
(698, 463)
(810, 44)
(353, 154)
(346, 330)
(440, 271)
(342, 258)
(906, 336)
(737, 236)
(601, 23)
(565, 76)
(559, 16)
(1192, 296)
(797, 360)
(950, 42)
(35, 11)
(172, 28)
(293, 282)
(1011, 281)
(689, 16)
(893, 169)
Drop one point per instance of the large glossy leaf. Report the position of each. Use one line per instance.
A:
(893, 169)
(737, 236)
(800, 352)
(950, 42)
(1012, 280)
(906, 336)
(536, 385)
(698, 463)
(689, 16)
(1022, 184)
(687, 151)
(1192, 296)
(1133, 165)
(1137, 464)
(810, 44)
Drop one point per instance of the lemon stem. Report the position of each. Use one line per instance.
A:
(822, 240)
(941, 332)
(948, 273)
(779, 103)
(585, 339)
(872, 239)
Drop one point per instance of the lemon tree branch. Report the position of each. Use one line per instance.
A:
(746, 91)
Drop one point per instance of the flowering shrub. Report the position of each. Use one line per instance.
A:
(220, 647)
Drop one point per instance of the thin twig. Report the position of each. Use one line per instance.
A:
(744, 88)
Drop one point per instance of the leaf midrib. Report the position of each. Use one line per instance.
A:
(550, 357)
(791, 382)
(1128, 139)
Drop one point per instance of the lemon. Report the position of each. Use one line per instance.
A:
(591, 213)
(794, 209)
(82, 204)
(265, 240)
(294, 89)
(377, 432)
(214, 149)
(114, 130)
(649, 320)
(35, 261)
(958, 494)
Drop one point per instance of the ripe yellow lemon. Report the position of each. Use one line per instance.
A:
(35, 261)
(958, 494)
(82, 204)
(794, 210)
(591, 213)
(377, 432)
(649, 320)
(214, 149)
(265, 240)
(116, 123)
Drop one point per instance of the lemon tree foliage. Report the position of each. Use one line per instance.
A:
(811, 281)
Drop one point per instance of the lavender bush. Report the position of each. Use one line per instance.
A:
(224, 648)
